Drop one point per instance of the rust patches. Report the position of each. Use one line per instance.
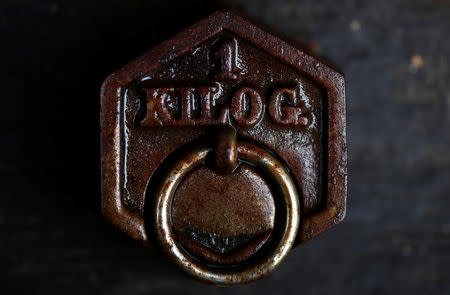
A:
(221, 82)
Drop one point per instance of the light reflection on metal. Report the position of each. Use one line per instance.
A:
(254, 155)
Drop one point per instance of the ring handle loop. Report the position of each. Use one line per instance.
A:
(252, 154)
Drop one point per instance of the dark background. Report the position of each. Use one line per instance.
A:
(396, 58)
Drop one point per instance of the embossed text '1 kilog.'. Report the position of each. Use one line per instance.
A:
(225, 146)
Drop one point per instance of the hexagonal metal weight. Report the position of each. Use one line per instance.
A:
(224, 145)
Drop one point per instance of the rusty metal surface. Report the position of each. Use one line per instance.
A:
(222, 71)
(251, 261)
(395, 236)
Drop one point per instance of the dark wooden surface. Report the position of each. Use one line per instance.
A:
(396, 58)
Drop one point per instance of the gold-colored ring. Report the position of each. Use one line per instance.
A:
(249, 153)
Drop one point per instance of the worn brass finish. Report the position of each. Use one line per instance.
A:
(257, 156)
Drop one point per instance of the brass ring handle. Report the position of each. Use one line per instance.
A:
(252, 154)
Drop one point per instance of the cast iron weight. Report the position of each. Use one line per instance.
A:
(225, 146)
